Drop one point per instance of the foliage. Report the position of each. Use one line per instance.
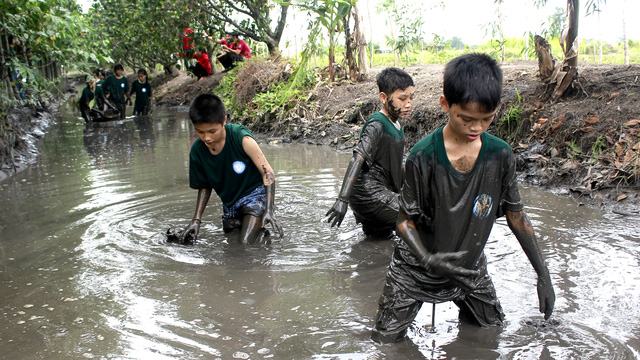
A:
(329, 15)
(573, 149)
(511, 121)
(251, 18)
(598, 147)
(142, 33)
(406, 24)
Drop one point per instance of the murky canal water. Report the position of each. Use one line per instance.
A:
(84, 271)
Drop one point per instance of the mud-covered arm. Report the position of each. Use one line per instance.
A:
(523, 230)
(251, 148)
(364, 152)
(193, 229)
(339, 209)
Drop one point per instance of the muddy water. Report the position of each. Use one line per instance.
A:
(84, 271)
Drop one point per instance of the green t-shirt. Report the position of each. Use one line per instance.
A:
(116, 87)
(453, 211)
(99, 91)
(231, 173)
(142, 91)
(86, 97)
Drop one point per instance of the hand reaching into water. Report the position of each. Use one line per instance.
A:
(337, 212)
(190, 234)
(546, 295)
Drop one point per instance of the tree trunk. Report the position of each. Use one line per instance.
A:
(569, 44)
(332, 60)
(546, 63)
(625, 40)
(360, 45)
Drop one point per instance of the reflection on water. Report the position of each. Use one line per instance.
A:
(85, 271)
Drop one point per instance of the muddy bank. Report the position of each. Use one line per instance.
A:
(588, 143)
(25, 126)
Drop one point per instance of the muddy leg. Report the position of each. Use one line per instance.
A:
(251, 226)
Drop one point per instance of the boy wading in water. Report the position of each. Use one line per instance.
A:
(116, 88)
(227, 159)
(142, 90)
(374, 175)
(458, 180)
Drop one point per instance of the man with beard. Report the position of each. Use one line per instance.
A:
(374, 175)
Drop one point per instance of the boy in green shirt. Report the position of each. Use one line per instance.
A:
(142, 89)
(116, 88)
(374, 176)
(457, 181)
(227, 159)
(87, 99)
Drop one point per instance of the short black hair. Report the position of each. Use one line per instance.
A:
(117, 67)
(142, 71)
(98, 72)
(207, 108)
(392, 79)
(473, 78)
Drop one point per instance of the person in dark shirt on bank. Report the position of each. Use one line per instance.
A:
(116, 88)
(374, 176)
(226, 158)
(142, 90)
(457, 181)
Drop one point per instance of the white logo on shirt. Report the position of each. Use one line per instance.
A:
(239, 167)
(144, 90)
(482, 205)
(121, 85)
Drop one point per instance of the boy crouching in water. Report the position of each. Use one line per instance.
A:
(458, 180)
(227, 159)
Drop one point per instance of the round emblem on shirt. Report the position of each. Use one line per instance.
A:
(239, 167)
(121, 85)
(144, 90)
(482, 205)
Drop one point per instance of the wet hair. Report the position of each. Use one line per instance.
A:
(142, 71)
(97, 72)
(473, 78)
(207, 108)
(117, 67)
(392, 79)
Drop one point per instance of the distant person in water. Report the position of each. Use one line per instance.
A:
(234, 49)
(98, 76)
(226, 158)
(457, 181)
(116, 88)
(142, 90)
(374, 176)
(87, 101)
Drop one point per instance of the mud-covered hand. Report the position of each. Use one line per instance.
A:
(268, 217)
(190, 234)
(445, 264)
(339, 209)
(337, 212)
(546, 295)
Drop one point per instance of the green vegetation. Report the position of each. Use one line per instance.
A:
(598, 147)
(510, 124)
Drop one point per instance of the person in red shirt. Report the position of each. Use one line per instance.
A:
(188, 46)
(203, 65)
(234, 49)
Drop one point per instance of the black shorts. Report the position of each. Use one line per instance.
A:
(397, 310)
